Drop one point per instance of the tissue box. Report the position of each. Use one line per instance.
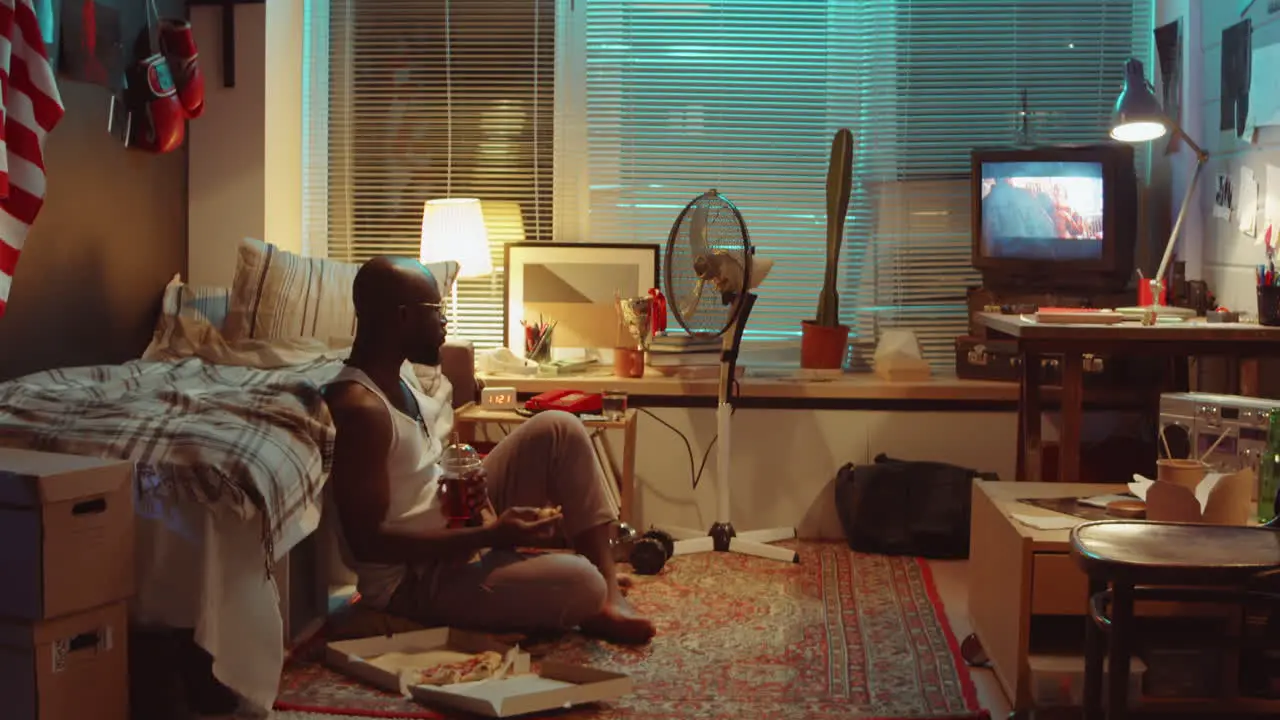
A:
(525, 690)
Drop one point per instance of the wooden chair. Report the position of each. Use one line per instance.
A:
(1135, 560)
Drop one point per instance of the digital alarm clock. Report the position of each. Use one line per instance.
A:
(499, 398)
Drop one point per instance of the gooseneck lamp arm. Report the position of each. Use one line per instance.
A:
(1157, 282)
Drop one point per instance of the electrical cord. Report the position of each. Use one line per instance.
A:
(695, 475)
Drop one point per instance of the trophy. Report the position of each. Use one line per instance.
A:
(634, 315)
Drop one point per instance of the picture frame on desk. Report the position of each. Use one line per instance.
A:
(573, 285)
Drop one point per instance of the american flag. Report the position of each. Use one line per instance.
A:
(31, 108)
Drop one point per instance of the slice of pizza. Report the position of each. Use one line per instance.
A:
(480, 666)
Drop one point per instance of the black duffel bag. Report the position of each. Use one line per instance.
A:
(900, 507)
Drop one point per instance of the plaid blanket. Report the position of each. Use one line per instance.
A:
(256, 441)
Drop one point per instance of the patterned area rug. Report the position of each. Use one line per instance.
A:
(841, 635)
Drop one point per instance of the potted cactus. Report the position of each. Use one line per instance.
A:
(823, 340)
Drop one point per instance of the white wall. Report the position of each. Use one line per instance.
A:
(784, 461)
(1228, 255)
(225, 201)
(282, 121)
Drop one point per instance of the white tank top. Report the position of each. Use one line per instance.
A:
(413, 476)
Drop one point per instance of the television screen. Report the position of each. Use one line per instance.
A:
(1033, 210)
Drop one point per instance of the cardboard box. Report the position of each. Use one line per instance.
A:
(66, 526)
(1057, 681)
(70, 668)
(522, 691)
(1216, 499)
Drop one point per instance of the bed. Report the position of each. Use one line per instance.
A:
(224, 419)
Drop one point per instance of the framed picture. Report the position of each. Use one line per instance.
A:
(570, 287)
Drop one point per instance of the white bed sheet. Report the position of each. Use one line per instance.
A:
(207, 571)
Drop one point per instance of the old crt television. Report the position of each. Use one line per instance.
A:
(1055, 219)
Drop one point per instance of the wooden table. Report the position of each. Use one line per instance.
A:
(1017, 572)
(470, 416)
(1072, 341)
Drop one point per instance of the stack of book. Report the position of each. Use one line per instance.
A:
(682, 350)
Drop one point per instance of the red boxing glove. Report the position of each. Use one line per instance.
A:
(156, 120)
(179, 48)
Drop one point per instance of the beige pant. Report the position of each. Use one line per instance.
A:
(548, 460)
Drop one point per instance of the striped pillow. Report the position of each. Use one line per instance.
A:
(276, 294)
(197, 303)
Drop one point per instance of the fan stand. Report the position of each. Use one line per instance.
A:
(722, 537)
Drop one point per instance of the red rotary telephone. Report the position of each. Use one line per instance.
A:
(570, 401)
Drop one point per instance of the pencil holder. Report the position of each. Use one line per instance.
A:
(541, 350)
(1269, 305)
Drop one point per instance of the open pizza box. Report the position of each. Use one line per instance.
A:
(518, 690)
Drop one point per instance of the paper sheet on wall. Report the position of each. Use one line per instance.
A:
(1248, 202)
(1271, 207)
(1264, 90)
(1222, 198)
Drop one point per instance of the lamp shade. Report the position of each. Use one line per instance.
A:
(454, 229)
(1138, 116)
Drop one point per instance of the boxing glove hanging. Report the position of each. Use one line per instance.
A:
(156, 120)
(179, 49)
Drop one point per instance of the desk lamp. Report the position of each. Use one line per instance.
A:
(454, 229)
(1138, 117)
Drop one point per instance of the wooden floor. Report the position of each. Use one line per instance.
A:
(952, 580)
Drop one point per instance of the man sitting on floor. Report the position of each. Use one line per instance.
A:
(385, 484)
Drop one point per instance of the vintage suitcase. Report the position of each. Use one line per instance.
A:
(979, 358)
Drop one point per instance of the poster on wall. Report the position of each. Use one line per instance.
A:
(91, 46)
(1236, 62)
(1169, 51)
(1222, 198)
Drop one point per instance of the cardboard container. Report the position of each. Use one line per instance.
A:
(1215, 499)
(66, 526)
(554, 686)
(69, 668)
(1057, 681)
(1186, 473)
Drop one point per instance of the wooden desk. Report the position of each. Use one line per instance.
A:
(1073, 341)
(471, 415)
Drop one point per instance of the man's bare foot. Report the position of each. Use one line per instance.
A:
(619, 623)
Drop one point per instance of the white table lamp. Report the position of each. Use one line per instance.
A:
(454, 229)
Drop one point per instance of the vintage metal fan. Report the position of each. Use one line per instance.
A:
(710, 269)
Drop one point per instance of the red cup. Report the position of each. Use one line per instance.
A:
(1144, 293)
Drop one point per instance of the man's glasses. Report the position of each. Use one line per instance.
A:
(438, 307)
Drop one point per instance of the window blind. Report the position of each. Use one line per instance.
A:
(399, 111)
(745, 95)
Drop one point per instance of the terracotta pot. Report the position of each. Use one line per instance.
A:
(628, 362)
(823, 348)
